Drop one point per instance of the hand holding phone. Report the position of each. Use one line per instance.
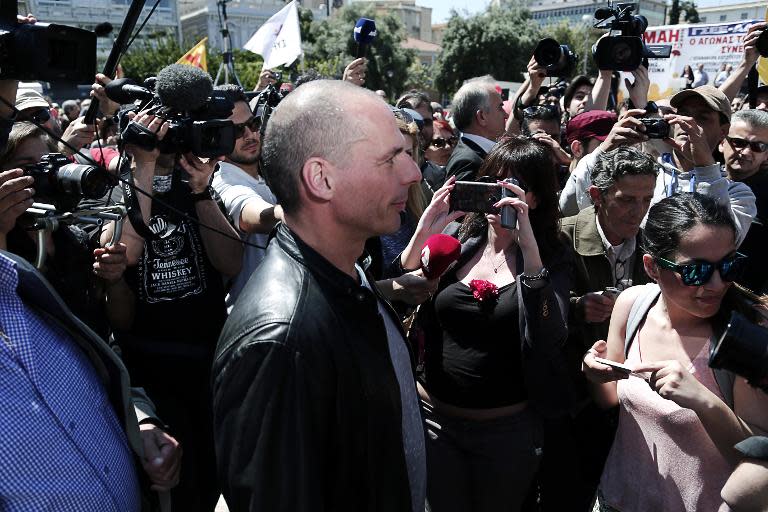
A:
(622, 368)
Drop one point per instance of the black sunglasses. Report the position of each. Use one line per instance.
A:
(754, 145)
(253, 124)
(440, 142)
(541, 112)
(39, 116)
(699, 273)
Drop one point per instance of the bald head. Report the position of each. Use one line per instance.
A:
(321, 119)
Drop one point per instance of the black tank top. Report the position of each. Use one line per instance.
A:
(476, 362)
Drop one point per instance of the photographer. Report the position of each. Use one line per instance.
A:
(701, 122)
(84, 277)
(175, 279)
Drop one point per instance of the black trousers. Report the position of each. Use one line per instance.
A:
(179, 386)
(480, 466)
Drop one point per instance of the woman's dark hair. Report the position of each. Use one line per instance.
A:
(532, 164)
(670, 218)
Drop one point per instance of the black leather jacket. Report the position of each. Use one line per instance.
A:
(307, 411)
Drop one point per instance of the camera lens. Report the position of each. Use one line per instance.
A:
(762, 44)
(547, 52)
(83, 180)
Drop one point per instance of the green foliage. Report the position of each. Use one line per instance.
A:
(420, 77)
(149, 55)
(332, 48)
(691, 14)
(499, 41)
(674, 13)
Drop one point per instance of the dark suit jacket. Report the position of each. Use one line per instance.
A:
(466, 159)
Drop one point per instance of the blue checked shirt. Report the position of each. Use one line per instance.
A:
(61, 445)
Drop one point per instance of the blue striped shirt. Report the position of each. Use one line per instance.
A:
(62, 446)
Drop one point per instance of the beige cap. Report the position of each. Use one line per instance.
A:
(713, 96)
(28, 98)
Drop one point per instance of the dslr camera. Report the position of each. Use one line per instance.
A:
(43, 51)
(59, 181)
(743, 350)
(558, 59)
(623, 49)
(655, 128)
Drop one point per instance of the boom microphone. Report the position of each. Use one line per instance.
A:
(125, 90)
(365, 33)
(439, 252)
(183, 88)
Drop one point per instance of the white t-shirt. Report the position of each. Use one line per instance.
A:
(236, 189)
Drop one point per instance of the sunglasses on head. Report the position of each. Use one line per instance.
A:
(699, 273)
(440, 142)
(754, 145)
(253, 124)
(39, 116)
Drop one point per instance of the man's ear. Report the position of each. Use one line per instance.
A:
(724, 128)
(650, 267)
(317, 178)
(480, 117)
(594, 194)
(577, 150)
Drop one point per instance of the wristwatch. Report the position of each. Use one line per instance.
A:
(202, 196)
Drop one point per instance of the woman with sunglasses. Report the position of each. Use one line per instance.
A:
(679, 419)
(491, 330)
(441, 146)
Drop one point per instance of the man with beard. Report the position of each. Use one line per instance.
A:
(248, 201)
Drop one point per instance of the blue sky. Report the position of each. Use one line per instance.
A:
(441, 9)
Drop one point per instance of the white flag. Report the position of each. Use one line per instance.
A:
(279, 39)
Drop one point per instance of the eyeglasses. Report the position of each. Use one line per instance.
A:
(440, 142)
(40, 116)
(541, 112)
(699, 273)
(253, 124)
(754, 145)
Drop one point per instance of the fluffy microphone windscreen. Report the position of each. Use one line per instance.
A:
(439, 253)
(365, 31)
(183, 88)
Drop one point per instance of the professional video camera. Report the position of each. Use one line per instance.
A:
(558, 59)
(743, 349)
(62, 183)
(623, 49)
(183, 96)
(43, 51)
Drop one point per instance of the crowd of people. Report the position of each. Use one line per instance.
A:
(266, 327)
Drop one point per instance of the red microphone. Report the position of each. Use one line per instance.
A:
(438, 253)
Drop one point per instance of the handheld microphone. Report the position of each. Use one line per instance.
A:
(438, 254)
(125, 90)
(365, 33)
(183, 88)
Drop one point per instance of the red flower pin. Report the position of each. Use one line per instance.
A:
(484, 291)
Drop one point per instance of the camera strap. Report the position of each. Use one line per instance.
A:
(132, 204)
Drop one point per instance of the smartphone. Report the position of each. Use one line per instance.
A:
(472, 196)
(613, 364)
(508, 213)
(611, 291)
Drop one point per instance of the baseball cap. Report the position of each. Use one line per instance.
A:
(28, 98)
(590, 124)
(713, 97)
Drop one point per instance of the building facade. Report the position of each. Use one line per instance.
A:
(734, 12)
(547, 12)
